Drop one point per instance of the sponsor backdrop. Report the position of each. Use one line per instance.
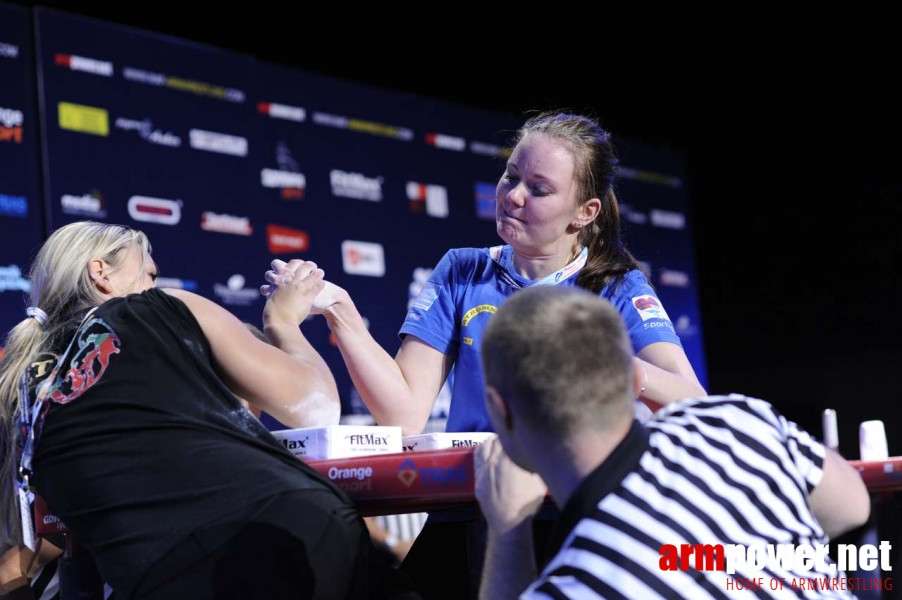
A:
(21, 212)
(228, 162)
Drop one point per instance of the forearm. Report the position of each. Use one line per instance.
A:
(289, 339)
(376, 375)
(840, 502)
(510, 564)
(317, 404)
(662, 386)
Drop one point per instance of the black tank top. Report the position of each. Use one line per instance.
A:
(144, 443)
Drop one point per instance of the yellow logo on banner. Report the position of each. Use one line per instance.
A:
(374, 128)
(84, 119)
(477, 310)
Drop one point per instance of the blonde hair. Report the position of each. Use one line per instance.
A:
(61, 286)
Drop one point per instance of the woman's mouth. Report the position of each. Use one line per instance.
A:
(512, 217)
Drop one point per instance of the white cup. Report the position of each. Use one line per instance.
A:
(872, 441)
(831, 434)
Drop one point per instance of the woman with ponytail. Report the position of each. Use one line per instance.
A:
(557, 213)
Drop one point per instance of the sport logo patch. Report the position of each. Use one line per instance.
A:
(649, 307)
(91, 353)
(427, 296)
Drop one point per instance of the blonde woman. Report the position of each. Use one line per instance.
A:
(141, 446)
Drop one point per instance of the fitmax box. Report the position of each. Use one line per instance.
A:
(442, 440)
(340, 441)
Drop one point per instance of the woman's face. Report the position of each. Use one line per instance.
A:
(536, 197)
(137, 273)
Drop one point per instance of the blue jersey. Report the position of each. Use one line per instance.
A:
(468, 286)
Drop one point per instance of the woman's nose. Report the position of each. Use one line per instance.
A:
(515, 196)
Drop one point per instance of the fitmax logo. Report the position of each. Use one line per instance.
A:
(368, 440)
(296, 444)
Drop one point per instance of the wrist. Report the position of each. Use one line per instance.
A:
(273, 320)
(513, 530)
(339, 311)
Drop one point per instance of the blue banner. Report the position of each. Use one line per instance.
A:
(21, 212)
(228, 162)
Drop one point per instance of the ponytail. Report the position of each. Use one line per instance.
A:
(609, 260)
(25, 342)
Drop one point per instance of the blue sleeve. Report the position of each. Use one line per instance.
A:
(642, 311)
(433, 315)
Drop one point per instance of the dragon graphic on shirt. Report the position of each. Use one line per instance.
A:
(95, 344)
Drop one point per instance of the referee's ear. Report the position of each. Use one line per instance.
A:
(499, 412)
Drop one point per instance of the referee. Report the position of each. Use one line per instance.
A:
(715, 470)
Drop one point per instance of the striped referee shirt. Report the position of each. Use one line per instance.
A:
(716, 470)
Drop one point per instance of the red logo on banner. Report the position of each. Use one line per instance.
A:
(283, 240)
(11, 134)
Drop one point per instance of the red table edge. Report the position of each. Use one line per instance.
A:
(434, 480)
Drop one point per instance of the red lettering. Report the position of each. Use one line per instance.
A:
(11, 133)
(686, 551)
(669, 558)
(709, 558)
